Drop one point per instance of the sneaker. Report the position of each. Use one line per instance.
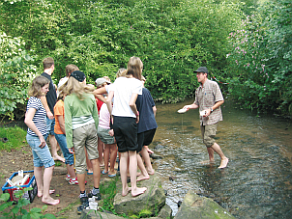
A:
(97, 196)
(84, 205)
(68, 177)
(75, 181)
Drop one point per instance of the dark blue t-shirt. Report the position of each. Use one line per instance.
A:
(144, 104)
(51, 95)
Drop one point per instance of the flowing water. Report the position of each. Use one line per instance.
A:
(258, 180)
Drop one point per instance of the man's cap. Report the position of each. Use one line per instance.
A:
(78, 75)
(202, 69)
(101, 81)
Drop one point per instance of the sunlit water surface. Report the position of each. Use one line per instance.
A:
(258, 180)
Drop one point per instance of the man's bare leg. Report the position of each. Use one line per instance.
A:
(224, 159)
(53, 143)
(211, 154)
(133, 171)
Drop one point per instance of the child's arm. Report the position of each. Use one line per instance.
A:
(62, 123)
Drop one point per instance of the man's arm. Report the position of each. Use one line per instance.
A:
(191, 106)
(216, 105)
(46, 106)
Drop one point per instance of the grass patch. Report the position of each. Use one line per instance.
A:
(108, 191)
(15, 136)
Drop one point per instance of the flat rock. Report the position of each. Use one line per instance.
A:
(194, 206)
(153, 199)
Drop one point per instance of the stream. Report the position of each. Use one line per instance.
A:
(257, 182)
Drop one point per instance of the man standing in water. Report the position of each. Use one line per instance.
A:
(208, 99)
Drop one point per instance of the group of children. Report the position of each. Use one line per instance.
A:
(89, 123)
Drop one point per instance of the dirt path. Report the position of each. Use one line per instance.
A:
(22, 159)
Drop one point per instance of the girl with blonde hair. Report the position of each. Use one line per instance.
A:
(81, 122)
(35, 119)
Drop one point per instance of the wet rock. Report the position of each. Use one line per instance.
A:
(165, 212)
(155, 156)
(194, 206)
(172, 178)
(179, 203)
(159, 147)
(153, 199)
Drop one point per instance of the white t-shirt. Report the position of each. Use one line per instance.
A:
(123, 89)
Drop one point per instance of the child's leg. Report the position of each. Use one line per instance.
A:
(133, 172)
(113, 157)
(96, 172)
(106, 156)
(123, 172)
(88, 163)
(144, 174)
(38, 173)
(146, 158)
(48, 173)
(100, 151)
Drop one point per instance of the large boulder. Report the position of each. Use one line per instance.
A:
(152, 200)
(194, 206)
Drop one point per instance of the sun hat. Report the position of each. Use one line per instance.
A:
(78, 75)
(101, 81)
(202, 69)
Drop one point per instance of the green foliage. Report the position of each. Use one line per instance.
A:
(171, 37)
(10, 210)
(16, 73)
(108, 192)
(15, 136)
(260, 63)
(145, 213)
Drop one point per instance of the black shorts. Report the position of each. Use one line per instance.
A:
(145, 138)
(125, 129)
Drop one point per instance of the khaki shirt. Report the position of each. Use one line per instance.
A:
(206, 97)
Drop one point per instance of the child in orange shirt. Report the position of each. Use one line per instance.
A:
(60, 135)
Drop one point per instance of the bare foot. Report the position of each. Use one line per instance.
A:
(57, 157)
(138, 191)
(150, 171)
(143, 177)
(223, 163)
(50, 201)
(127, 190)
(40, 193)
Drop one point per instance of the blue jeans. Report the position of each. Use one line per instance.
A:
(50, 126)
(61, 139)
(41, 156)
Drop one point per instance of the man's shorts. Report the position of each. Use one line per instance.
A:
(125, 129)
(208, 134)
(145, 138)
(50, 126)
(105, 136)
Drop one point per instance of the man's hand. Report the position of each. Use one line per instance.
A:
(208, 112)
(50, 115)
(137, 119)
(71, 150)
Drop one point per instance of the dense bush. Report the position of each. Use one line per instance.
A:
(260, 61)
